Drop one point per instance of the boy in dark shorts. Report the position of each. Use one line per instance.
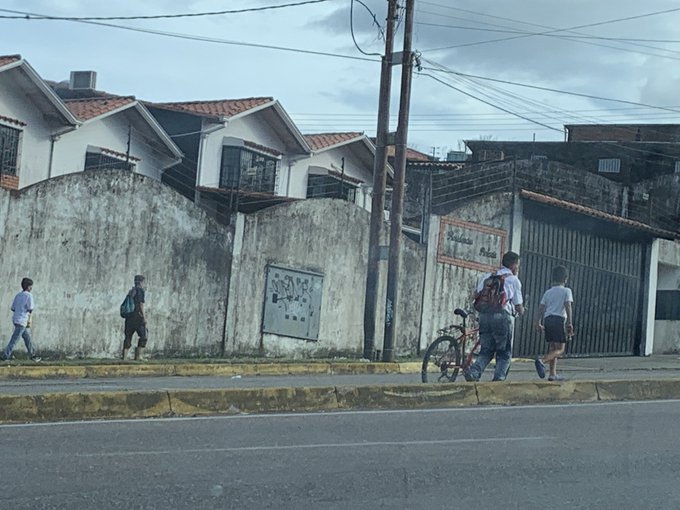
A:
(555, 320)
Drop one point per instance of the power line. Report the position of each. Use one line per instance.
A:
(569, 36)
(351, 28)
(29, 16)
(213, 40)
(552, 31)
(444, 69)
(489, 103)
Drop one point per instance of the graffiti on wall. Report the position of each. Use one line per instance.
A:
(470, 245)
(292, 303)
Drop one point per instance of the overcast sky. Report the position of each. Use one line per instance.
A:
(636, 60)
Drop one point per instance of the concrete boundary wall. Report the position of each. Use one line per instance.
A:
(82, 238)
(328, 238)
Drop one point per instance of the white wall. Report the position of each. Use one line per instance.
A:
(449, 286)
(110, 133)
(251, 128)
(82, 238)
(34, 144)
(667, 333)
(332, 160)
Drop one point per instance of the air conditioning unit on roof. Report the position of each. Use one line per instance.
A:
(83, 80)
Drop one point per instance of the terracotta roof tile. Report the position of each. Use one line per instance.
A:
(323, 140)
(86, 109)
(411, 154)
(9, 59)
(218, 108)
(589, 211)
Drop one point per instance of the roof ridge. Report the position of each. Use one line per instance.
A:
(325, 133)
(201, 101)
(98, 98)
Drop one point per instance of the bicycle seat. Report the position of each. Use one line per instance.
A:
(461, 313)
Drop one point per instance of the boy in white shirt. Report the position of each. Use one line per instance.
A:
(555, 320)
(22, 308)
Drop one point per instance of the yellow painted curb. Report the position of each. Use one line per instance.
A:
(146, 404)
(83, 406)
(252, 400)
(406, 396)
(517, 393)
(652, 389)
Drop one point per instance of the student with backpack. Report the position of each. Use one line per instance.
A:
(498, 297)
(132, 310)
(555, 320)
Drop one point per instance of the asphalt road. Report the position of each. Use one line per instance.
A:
(32, 387)
(605, 456)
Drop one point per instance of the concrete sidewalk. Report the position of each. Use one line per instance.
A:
(109, 368)
(652, 378)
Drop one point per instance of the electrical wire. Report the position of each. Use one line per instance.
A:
(215, 40)
(28, 16)
(351, 29)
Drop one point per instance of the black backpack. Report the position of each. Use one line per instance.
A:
(492, 298)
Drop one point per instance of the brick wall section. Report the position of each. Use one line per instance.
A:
(9, 181)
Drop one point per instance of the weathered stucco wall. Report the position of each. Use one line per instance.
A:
(447, 285)
(82, 237)
(327, 237)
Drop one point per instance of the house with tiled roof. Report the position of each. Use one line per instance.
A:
(238, 153)
(32, 118)
(43, 135)
(340, 166)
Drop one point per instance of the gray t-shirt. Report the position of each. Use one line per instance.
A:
(555, 299)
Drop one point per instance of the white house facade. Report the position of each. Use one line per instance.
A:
(43, 136)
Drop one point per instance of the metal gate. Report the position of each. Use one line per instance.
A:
(605, 275)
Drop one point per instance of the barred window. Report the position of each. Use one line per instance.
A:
(99, 161)
(609, 166)
(247, 170)
(325, 186)
(9, 149)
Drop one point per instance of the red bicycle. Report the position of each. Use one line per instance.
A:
(455, 349)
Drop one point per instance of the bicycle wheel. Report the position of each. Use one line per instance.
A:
(442, 360)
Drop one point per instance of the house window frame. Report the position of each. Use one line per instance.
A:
(257, 171)
(346, 190)
(107, 160)
(9, 164)
(609, 165)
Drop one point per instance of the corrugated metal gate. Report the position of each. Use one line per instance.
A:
(606, 276)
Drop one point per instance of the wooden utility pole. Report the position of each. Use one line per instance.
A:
(379, 182)
(397, 210)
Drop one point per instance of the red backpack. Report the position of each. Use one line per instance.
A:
(492, 298)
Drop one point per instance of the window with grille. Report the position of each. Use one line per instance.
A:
(609, 166)
(538, 157)
(99, 161)
(325, 186)
(247, 170)
(9, 150)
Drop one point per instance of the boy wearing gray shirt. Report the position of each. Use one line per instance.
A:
(555, 320)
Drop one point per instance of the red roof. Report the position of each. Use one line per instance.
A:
(86, 109)
(323, 140)
(411, 154)
(588, 211)
(218, 108)
(9, 59)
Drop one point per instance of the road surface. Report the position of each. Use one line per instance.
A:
(606, 456)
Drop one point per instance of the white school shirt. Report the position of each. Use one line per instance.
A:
(22, 306)
(555, 300)
(513, 288)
